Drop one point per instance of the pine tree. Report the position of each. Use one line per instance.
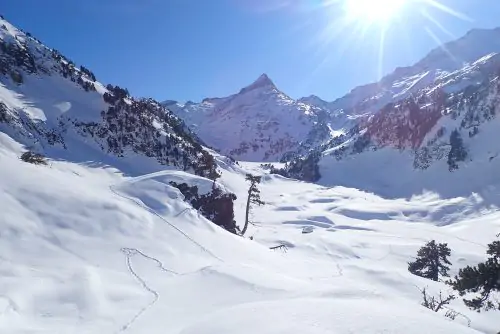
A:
(483, 279)
(431, 261)
(253, 198)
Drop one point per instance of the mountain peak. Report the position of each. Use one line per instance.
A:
(262, 81)
(314, 99)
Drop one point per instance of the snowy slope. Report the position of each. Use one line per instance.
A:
(260, 123)
(122, 255)
(413, 154)
(438, 139)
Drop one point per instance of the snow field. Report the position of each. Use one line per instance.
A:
(87, 250)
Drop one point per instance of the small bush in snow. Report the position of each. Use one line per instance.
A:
(436, 303)
(33, 158)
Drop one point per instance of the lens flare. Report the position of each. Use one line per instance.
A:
(355, 22)
(372, 11)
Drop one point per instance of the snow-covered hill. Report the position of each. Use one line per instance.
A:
(260, 123)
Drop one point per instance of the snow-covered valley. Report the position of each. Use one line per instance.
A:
(88, 250)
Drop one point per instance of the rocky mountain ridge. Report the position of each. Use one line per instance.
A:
(58, 109)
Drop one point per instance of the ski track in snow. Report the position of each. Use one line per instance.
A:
(129, 252)
(455, 237)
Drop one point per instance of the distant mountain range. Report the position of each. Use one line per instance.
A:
(437, 116)
(261, 123)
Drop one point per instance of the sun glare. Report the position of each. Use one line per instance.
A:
(351, 23)
(373, 11)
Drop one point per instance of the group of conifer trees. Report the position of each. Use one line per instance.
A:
(482, 281)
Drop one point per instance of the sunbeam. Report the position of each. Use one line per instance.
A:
(442, 45)
(362, 25)
(381, 54)
(448, 10)
(386, 12)
(438, 24)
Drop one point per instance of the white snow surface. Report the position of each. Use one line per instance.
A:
(87, 250)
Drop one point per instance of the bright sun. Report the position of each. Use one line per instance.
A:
(373, 11)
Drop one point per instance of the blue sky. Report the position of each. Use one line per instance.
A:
(192, 49)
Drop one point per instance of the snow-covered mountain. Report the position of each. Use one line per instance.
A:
(432, 141)
(426, 127)
(259, 123)
(61, 110)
